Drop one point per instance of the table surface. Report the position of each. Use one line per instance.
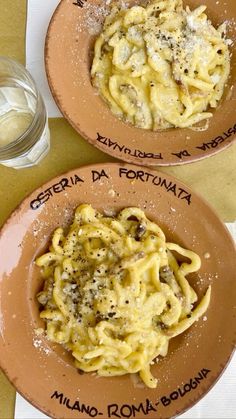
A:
(214, 178)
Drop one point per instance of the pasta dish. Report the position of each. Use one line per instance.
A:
(114, 293)
(161, 66)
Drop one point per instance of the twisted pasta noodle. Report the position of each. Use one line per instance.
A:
(161, 66)
(114, 293)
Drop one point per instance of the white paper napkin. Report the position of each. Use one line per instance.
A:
(38, 17)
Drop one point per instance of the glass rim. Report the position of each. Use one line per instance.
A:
(39, 101)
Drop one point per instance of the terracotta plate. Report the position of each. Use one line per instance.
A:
(44, 372)
(69, 51)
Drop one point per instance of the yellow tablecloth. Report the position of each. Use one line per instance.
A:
(214, 178)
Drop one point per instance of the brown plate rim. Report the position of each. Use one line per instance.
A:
(32, 194)
(118, 155)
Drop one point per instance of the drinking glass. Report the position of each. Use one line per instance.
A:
(24, 133)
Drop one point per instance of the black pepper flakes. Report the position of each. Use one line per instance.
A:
(80, 372)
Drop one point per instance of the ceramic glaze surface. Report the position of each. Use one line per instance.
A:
(195, 359)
